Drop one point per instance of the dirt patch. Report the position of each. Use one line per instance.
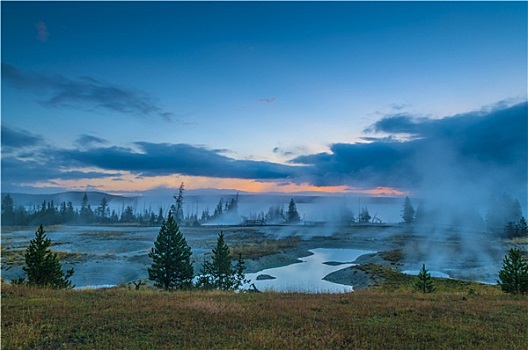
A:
(352, 276)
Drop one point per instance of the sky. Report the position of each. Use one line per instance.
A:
(378, 98)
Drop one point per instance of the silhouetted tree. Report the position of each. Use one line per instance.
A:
(522, 227)
(42, 266)
(86, 214)
(171, 258)
(364, 216)
(205, 215)
(128, 215)
(232, 206)
(8, 210)
(502, 211)
(408, 211)
(160, 216)
(103, 209)
(178, 208)
(275, 214)
(513, 278)
(113, 217)
(420, 213)
(219, 209)
(516, 229)
(292, 215)
(424, 282)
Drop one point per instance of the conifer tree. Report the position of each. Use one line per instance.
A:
(240, 277)
(522, 227)
(364, 216)
(43, 268)
(178, 208)
(424, 282)
(292, 214)
(220, 272)
(171, 258)
(408, 212)
(513, 278)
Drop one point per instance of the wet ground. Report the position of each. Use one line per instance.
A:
(111, 255)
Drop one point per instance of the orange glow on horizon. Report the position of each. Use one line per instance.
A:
(129, 183)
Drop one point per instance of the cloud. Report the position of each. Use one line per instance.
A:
(361, 164)
(487, 146)
(42, 31)
(84, 92)
(282, 152)
(268, 100)
(154, 159)
(90, 141)
(483, 151)
(396, 124)
(13, 138)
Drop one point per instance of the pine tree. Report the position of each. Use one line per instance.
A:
(178, 208)
(204, 279)
(220, 268)
(523, 227)
(219, 209)
(43, 268)
(513, 278)
(292, 214)
(408, 212)
(103, 209)
(8, 211)
(171, 258)
(424, 282)
(240, 277)
(220, 273)
(364, 216)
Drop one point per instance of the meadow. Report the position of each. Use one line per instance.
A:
(459, 315)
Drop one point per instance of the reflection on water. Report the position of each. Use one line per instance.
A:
(307, 275)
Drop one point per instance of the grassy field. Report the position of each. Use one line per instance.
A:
(457, 316)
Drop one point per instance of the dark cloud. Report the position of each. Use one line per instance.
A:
(396, 124)
(90, 141)
(362, 164)
(488, 145)
(85, 92)
(19, 139)
(285, 153)
(166, 159)
(16, 171)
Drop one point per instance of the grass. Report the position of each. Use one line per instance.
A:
(388, 279)
(16, 256)
(373, 319)
(12, 256)
(263, 246)
(395, 255)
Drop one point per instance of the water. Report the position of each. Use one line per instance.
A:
(108, 256)
(307, 275)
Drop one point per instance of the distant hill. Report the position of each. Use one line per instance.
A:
(94, 198)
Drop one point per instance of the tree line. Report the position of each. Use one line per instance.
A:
(48, 213)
